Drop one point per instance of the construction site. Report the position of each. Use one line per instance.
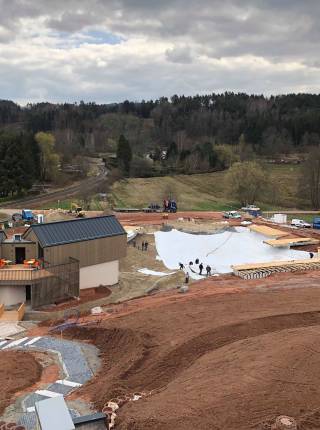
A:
(177, 320)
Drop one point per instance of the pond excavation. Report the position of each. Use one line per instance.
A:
(220, 251)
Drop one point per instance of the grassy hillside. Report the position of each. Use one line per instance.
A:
(205, 191)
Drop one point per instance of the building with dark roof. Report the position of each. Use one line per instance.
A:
(95, 245)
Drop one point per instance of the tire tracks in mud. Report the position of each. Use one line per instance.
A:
(172, 364)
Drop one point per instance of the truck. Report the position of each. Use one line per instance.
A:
(27, 215)
(316, 222)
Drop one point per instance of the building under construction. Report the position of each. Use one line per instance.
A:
(53, 261)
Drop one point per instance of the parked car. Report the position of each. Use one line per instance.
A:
(232, 215)
(300, 223)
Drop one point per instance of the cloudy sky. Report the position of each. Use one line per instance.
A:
(112, 50)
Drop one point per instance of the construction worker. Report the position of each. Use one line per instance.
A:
(208, 269)
(200, 268)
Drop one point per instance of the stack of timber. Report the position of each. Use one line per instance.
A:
(296, 241)
(267, 231)
(262, 270)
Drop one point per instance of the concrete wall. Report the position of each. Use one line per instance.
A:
(99, 274)
(12, 295)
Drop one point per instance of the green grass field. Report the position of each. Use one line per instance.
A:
(206, 191)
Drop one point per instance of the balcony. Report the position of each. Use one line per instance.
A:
(18, 274)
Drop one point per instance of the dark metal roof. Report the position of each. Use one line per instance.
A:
(78, 230)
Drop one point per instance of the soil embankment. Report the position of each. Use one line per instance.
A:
(18, 371)
(213, 361)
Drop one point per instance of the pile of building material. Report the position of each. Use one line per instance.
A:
(262, 270)
(295, 241)
(267, 231)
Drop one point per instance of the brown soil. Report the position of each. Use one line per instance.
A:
(18, 371)
(87, 295)
(141, 218)
(211, 360)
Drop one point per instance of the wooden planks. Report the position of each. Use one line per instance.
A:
(297, 241)
(262, 270)
(267, 231)
(277, 263)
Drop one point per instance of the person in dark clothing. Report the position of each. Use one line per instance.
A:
(311, 254)
(146, 244)
(142, 246)
(208, 269)
(197, 260)
(200, 268)
(187, 278)
(181, 266)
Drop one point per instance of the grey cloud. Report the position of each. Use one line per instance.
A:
(278, 32)
(179, 54)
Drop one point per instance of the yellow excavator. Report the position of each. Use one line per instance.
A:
(76, 210)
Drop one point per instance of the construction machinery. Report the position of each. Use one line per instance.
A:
(76, 210)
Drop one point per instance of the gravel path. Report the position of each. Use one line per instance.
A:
(79, 362)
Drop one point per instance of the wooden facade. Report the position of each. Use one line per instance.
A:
(88, 253)
(8, 250)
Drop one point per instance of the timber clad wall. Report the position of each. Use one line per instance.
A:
(63, 282)
(90, 252)
(8, 250)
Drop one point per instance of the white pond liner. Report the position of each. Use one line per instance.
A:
(154, 273)
(220, 250)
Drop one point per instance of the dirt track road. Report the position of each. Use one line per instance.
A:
(61, 194)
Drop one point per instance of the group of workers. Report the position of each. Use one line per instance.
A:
(144, 245)
(200, 266)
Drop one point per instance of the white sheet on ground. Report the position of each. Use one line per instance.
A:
(154, 273)
(220, 250)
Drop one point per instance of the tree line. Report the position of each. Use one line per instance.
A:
(25, 159)
(181, 134)
(269, 124)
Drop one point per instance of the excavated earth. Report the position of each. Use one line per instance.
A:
(213, 358)
(18, 371)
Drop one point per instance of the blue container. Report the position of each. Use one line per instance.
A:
(316, 222)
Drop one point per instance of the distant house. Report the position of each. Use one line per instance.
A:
(70, 255)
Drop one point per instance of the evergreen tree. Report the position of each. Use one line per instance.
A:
(124, 154)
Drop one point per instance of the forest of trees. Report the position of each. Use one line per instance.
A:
(178, 135)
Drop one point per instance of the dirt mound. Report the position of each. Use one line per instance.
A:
(123, 351)
(236, 387)
(233, 361)
(18, 370)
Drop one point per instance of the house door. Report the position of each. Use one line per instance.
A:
(28, 293)
(20, 255)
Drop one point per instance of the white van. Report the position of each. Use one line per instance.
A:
(300, 223)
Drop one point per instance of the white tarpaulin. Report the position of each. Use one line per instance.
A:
(146, 271)
(220, 250)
